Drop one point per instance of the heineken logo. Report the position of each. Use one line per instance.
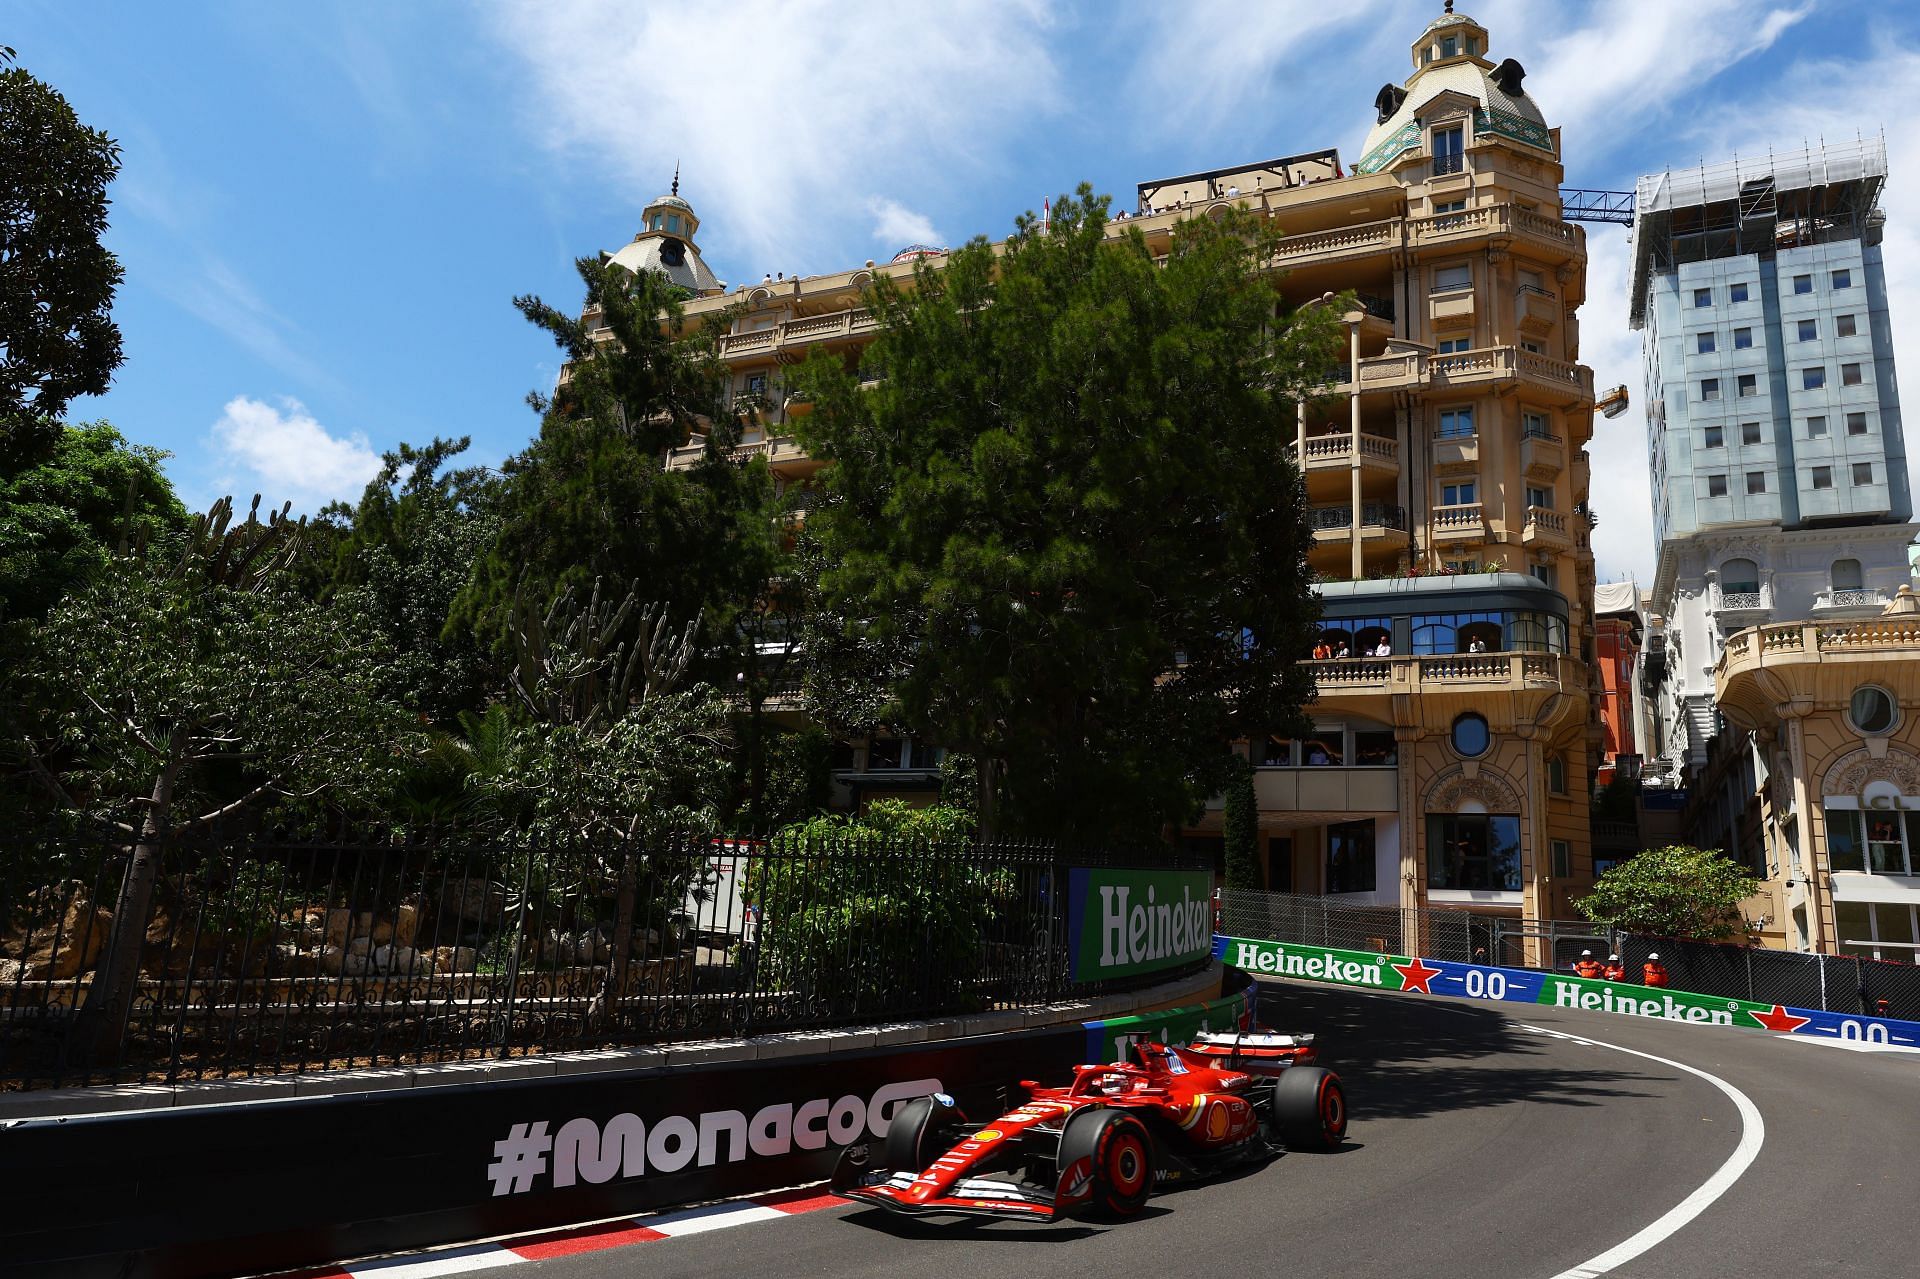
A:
(1134, 921)
(1314, 963)
(1567, 994)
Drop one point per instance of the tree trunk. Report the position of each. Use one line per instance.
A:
(616, 988)
(100, 1030)
(989, 810)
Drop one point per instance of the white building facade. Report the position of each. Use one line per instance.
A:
(1774, 437)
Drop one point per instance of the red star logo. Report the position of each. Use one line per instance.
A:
(1416, 976)
(1779, 1019)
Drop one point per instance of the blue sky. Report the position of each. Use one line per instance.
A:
(326, 208)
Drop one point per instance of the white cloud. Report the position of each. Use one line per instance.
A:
(1630, 62)
(287, 455)
(779, 108)
(897, 226)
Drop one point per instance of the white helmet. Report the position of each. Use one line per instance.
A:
(1613, 959)
(1651, 958)
(1586, 954)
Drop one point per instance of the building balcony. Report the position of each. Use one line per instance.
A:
(781, 451)
(1548, 380)
(1336, 452)
(1379, 522)
(1340, 244)
(1563, 240)
(1545, 529)
(1734, 606)
(1821, 663)
(1446, 672)
(793, 335)
(1464, 523)
(1862, 603)
(1542, 456)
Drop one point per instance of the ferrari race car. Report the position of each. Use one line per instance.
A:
(1101, 1144)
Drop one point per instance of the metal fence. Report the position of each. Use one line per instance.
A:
(263, 958)
(1832, 983)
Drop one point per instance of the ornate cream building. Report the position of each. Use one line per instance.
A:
(1446, 472)
(1834, 708)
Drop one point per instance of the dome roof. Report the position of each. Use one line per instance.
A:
(670, 202)
(1388, 138)
(672, 257)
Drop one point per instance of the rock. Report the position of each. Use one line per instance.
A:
(58, 951)
(329, 960)
(473, 900)
(338, 920)
(406, 924)
(291, 960)
(382, 933)
(353, 965)
(402, 960)
(360, 946)
(456, 959)
(10, 971)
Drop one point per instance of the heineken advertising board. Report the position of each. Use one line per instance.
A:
(1122, 922)
(1372, 971)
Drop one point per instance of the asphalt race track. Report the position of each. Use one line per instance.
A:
(1478, 1147)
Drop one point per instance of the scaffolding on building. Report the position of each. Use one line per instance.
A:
(1755, 205)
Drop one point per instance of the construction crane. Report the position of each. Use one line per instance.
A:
(1582, 204)
(1613, 403)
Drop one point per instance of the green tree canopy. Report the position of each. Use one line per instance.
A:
(57, 336)
(401, 557)
(1069, 497)
(591, 498)
(1678, 891)
(62, 520)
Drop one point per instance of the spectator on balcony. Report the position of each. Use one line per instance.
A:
(1342, 650)
(1477, 645)
(1322, 651)
(1384, 648)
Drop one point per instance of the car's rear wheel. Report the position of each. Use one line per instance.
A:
(1119, 1161)
(919, 1133)
(1309, 1109)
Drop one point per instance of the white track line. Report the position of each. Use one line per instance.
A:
(1753, 1132)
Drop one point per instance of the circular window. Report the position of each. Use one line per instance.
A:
(1470, 736)
(1872, 711)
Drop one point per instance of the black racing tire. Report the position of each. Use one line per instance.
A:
(1308, 1110)
(915, 1135)
(1119, 1150)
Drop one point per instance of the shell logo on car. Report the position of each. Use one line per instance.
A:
(988, 1134)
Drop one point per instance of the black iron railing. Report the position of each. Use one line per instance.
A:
(261, 958)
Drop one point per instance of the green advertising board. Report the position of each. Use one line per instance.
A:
(1373, 971)
(1122, 922)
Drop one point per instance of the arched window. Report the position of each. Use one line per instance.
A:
(1846, 575)
(1481, 636)
(1740, 576)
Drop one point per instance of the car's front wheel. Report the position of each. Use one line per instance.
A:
(919, 1133)
(1308, 1109)
(1118, 1161)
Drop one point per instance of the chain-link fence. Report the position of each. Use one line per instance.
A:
(1831, 983)
(1315, 921)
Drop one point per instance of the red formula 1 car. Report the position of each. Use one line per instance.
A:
(1101, 1144)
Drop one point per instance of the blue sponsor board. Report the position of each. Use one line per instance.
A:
(1481, 981)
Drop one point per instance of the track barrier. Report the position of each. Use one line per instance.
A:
(1370, 970)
